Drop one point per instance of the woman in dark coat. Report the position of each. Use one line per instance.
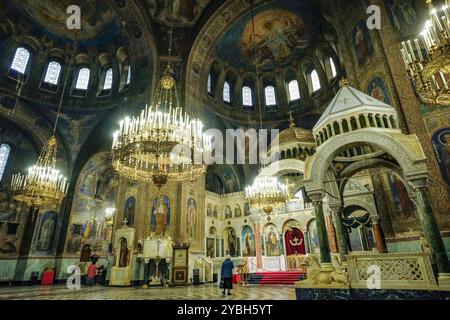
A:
(227, 274)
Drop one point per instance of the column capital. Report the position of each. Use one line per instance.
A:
(419, 183)
(375, 219)
(316, 196)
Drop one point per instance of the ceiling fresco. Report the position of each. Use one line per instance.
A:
(98, 20)
(284, 30)
(185, 12)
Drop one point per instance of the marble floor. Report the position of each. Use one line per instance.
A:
(202, 292)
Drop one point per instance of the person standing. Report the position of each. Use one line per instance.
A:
(91, 273)
(227, 274)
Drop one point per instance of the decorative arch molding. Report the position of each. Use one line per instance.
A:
(405, 149)
(282, 167)
(362, 202)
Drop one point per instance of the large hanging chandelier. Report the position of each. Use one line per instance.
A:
(427, 58)
(43, 184)
(162, 142)
(267, 193)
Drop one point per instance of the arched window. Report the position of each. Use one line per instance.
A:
(53, 73)
(269, 93)
(333, 68)
(20, 61)
(83, 79)
(247, 96)
(4, 154)
(108, 79)
(315, 82)
(128, 76)
(294, 91)
(209, 84)
(226, 92)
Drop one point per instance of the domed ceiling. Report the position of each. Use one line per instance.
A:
(284, 30)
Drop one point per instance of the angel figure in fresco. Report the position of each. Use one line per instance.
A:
(161, 216)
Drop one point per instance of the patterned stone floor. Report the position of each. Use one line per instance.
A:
(203, 292)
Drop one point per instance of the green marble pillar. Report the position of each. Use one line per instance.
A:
(431, 230)
(325, 256)
(341, 233)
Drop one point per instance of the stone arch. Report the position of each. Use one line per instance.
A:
(405, 149)
(360, 202)
(282, 167)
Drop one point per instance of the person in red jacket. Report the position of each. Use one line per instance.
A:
(91, 273)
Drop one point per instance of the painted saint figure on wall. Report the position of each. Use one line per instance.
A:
(272, 241)
(161, 215)
(191, 218)
(441, 144)
(403, 203)
(248, 242)
(228, 213)
(232, 242)
(46, 231)
(130, 206)
(362, 42)
(377, 89)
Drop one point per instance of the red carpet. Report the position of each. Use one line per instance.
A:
(288, 277)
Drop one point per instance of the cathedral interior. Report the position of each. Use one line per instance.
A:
(307, 141)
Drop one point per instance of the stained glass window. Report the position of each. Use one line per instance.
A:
(4, 154)
(129, 75)
(53, 72)
(294, 92)
(83, 79)
(20, 61)
(226, 92)
(108, 79)
(315, 81)
(208, 85)
(269, 93)
(333, 68)
(247, 96)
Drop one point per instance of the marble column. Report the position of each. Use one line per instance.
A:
(146, 270)
(324, 246)
(378, 235)
(257, 231)
(430, 226)
(331, 234)
(340, 232)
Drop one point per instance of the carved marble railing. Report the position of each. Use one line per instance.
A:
(397, 270)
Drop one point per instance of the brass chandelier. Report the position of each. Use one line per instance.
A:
(267, 192)
(428, 60)
(43, 184)
(163, 142)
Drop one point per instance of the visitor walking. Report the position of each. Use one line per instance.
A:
(226, 274)
(91, 273)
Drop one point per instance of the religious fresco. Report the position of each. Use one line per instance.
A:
(441, 144)
(403, 210)
(248, 242)
(53, 15)
(313, 237)
(403, 16)
(216, 211)
(213, 183)
(95, 191)
(228, 214)
(185, 12)
(294, 241)
(237, 211)
(209, 210)
(283, 33)
(130, 208)
(46, 233)
(161, 211)
(362, 42)
(230, 181)
(247, 209)
(378, 90)
(191, 217)
(210, 248)
(231, 242)
(271, 235)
